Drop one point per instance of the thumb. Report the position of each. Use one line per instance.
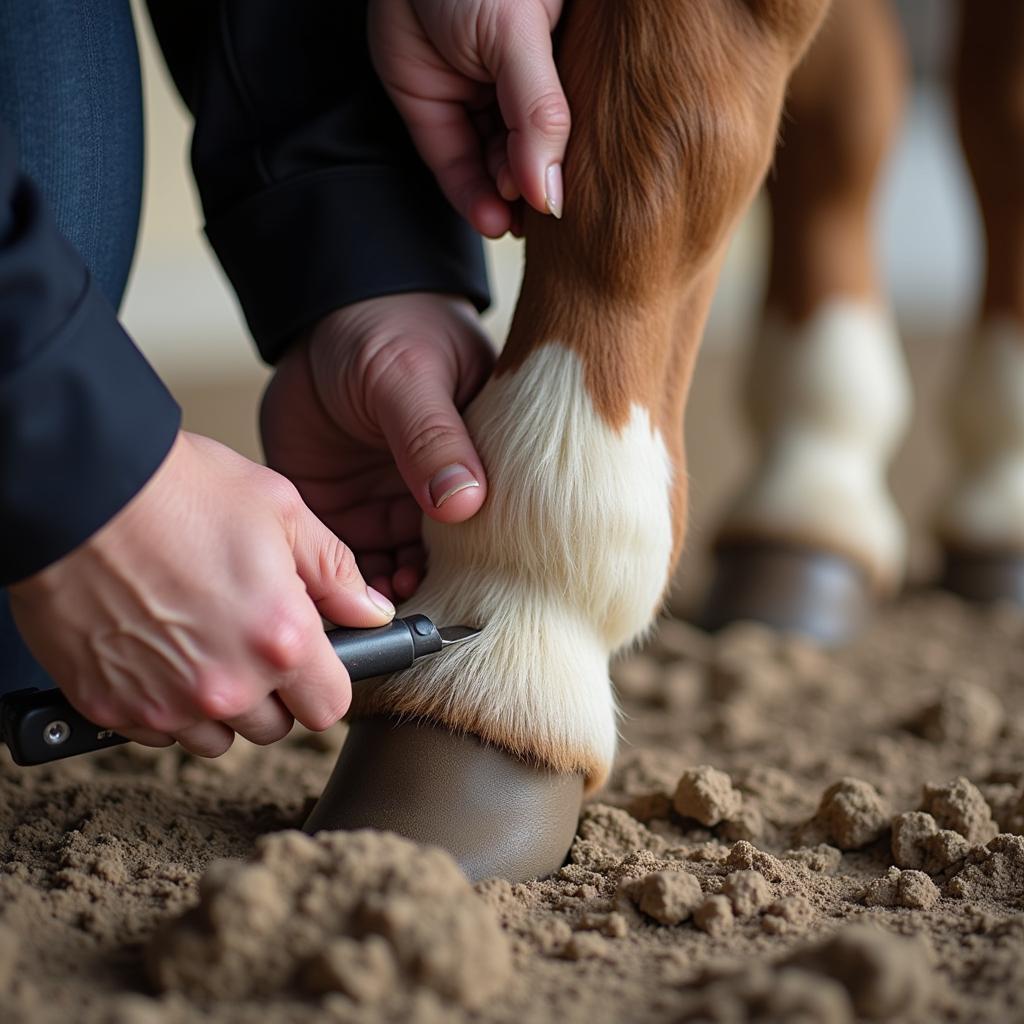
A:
(332, 578)
(534, 109)
(431, 446)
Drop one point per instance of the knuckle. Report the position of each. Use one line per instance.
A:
(222, 709)
(281, 492)
(162, 720)
(220, 695)
(149, 718)
(337, 563)
(395, 362)
(284, 641)
(549, 115)
(433, 434)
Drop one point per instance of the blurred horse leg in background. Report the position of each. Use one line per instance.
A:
(813, 539)
(981, 521)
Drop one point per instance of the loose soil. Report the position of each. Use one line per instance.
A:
(788, 835)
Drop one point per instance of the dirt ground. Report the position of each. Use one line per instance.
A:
(787, 903)
(788, 836)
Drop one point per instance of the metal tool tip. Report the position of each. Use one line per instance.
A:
(457, 634)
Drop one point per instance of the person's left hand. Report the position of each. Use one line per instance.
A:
(477, 86)
(363, 416)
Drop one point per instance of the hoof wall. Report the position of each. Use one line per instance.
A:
(788, 588)
(984, 578)
(495, 814)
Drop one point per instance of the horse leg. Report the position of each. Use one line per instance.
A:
(814, 537)
(981, 522)
(486, 749)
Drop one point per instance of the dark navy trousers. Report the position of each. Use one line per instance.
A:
(71, 96)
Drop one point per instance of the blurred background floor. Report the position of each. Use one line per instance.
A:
(180, 309)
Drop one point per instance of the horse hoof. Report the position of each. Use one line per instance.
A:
(495, 814)
(789, 588)
(984, 577)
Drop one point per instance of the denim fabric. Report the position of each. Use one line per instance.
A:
(71, 95)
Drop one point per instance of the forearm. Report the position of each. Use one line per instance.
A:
(84, 420)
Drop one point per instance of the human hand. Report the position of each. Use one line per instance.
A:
(193, 613)
(363, 417)
(476, 84)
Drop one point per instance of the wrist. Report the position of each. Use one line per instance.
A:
(111, 534)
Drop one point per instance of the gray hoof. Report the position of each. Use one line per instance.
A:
(984, 578)
(495, 814)
(789, 588)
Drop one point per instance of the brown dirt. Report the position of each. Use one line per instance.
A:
(853, 854)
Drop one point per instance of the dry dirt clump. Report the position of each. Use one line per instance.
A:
(745, 856)
(966, 713)
(823, 859)
(790, 915)
(993, 871)
(851, 814)
(862, 973)
(606, 834)
(714, 915)
(359, 913)
(667, 896)
(911, 889)
(706, 795)
(886, 977)
(959, 806)
(747, 891)
(919, 843)
(783, 995)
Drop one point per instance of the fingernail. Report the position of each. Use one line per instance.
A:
(553, 190)
(449, 481)
(381, 602)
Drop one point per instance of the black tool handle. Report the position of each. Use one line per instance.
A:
(41, 725)
(377, 652)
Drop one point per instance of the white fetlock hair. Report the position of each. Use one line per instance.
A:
(566, 562)
(985, 509)
(829, 402)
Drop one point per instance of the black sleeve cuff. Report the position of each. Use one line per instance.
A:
(83, 426)
(301, 249)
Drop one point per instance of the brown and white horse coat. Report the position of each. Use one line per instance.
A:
(675, 109)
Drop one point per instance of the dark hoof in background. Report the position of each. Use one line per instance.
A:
(789, 588)
(984, 578)
(495, 814)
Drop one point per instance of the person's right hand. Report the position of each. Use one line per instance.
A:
(193, 613)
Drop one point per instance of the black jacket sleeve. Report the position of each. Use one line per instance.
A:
(84, 420)
(313, 193)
